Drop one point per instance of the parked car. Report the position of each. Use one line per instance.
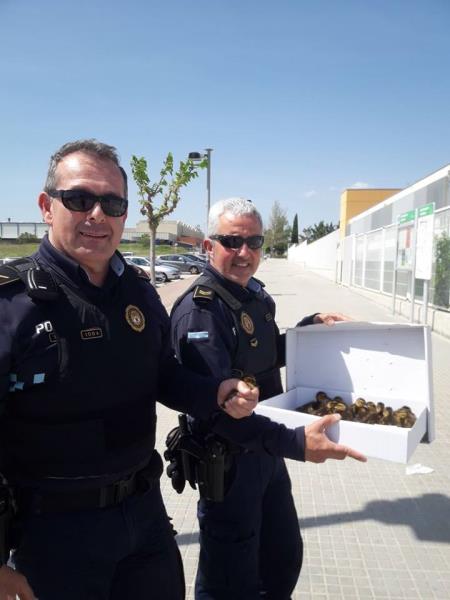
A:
(7, 259)
(163, 273)
(201, 258)
(181, 262)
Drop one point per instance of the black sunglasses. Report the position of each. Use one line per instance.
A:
(83, 201)
(254, 242)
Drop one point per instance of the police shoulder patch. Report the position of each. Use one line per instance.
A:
(8, 275)
(203, 293)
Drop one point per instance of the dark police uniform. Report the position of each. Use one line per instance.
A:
(250, 542)
(81, 368)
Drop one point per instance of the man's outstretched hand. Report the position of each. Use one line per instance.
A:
(237, 398)
(330, 318)
(318, 447)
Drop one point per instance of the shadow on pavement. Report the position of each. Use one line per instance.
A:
(427, 515)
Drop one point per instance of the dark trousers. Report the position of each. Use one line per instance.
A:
(127, 551)
(251, 542)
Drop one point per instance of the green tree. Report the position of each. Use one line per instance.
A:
(442, 273)
(294, 232)
(278, 230)
(318, 230)
(168, 187)
(144, 238)
(27, 238)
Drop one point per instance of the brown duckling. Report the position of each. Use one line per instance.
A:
(404, 417)
(386, 416)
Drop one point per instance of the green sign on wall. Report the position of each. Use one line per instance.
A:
(426, 209)
(406, 217)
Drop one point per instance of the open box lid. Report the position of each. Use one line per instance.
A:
(387, 360)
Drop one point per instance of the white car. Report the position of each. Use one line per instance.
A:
(7, 259)
(162, 273)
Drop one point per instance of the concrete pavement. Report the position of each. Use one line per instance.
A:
(370, 530)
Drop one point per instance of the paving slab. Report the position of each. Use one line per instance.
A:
(370, 530)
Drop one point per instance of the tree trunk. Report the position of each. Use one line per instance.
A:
(152, 252)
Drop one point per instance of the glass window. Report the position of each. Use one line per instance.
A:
(374, 249)
(390, 238)
(359, 260)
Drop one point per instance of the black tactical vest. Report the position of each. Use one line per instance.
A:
(256, 350)
(83, 382)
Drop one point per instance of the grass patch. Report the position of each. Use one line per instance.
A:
(17, 249)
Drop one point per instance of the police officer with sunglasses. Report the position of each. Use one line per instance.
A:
(250, 542)
(84, 356)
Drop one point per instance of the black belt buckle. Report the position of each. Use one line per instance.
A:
(117, 492)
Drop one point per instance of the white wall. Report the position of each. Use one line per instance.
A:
(320, 256)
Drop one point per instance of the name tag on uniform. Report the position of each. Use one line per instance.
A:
(196, 336)
(91, 334)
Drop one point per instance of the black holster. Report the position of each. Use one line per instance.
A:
(199, 460)
(211, 470)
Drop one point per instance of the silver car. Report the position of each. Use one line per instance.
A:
(181, 262)
(163, 273)
(200, 258)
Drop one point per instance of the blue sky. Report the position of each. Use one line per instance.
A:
(299, 99)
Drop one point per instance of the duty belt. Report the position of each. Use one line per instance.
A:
(46, 501)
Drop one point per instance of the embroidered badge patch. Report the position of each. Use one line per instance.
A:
(91, 334)
(247, 323)
(135, 318)
(202, 292)
(197, 335)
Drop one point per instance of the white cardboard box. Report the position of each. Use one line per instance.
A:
(387, 362)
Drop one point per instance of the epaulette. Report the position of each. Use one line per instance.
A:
(203, 293)
(39, 283)
(140, 272)
(261, 283)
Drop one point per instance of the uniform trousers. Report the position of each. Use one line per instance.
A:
(250, 544)
(125, 551)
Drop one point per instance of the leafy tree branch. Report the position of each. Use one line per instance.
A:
(168, 186)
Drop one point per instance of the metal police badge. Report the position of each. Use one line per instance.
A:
(247, 323)
(135, 318)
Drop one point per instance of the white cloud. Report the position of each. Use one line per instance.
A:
(359, 184)
(310, 193)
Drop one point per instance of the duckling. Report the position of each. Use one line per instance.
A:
(386, 417)
(359, 409)
(330, 407)
(380, 408)
(342, 409)
(404, 417)
(250, 381)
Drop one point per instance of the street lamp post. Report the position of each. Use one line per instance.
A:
(197, 157)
